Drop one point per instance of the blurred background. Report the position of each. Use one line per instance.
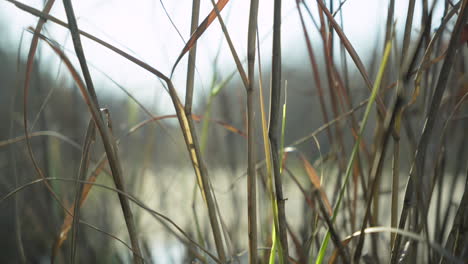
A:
(157, 168)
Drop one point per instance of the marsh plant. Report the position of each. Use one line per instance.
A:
(347, 158)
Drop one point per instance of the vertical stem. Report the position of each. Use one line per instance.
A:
(189, 130)
(395, 181)
(193, 147)
(315, 72)
(251, 171)
(376, 170)
(412, 190)
(192, 58)
(84, 163)
(408, 27)
(104, 132)
(275, 127)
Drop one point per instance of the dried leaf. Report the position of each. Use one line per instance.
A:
(314, 178)
(200, 30)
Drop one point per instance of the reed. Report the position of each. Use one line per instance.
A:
(346, 158)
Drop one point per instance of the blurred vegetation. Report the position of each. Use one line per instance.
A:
(407, 165)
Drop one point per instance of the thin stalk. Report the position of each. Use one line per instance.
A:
(315, 71)
(352, 52)
(215, 89)
(27, 80)
(104, 132)
(395, 179)
(330, 72)
(198, 230)
(193, 147)
(334, 235)
(180, 113)
(251, 170)
(376, 171)
(158, 216)
(187, 129)
(375, 89)
(275, 128)
(192, 59)
(240, 69)
(410, 235)
(457, 235)
(283, 126)
(416, 171)
(189, 90)
(267, 150)
(408, 28)
(179, 109)
(396, 144)
(456, 242)
(14, 171)
(85, 157)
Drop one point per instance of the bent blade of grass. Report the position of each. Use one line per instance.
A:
(349, 167)
(108, 141)
(102, 161)
(413, 236)
(80, 84)
(158, 216)
(26, 87)
(199, 31)
(352, 53)
(187, 129)
(412, 193)
(315, 70)
(232, 49)
(48, 133)
(90, 137)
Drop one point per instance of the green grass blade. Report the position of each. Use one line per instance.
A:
(216, 88)
(283, 125)
(375, 89)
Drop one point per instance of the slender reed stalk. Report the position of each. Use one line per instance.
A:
(85, 157)
(268, 161)
(107, 140)
(192, 59)
(27, 80)
(352, 52)
(417, 168)
(408, 29)
(275, 128)
(324, 245)
(158, 216)
(315, 70)
(251, 169)
(376, 171)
